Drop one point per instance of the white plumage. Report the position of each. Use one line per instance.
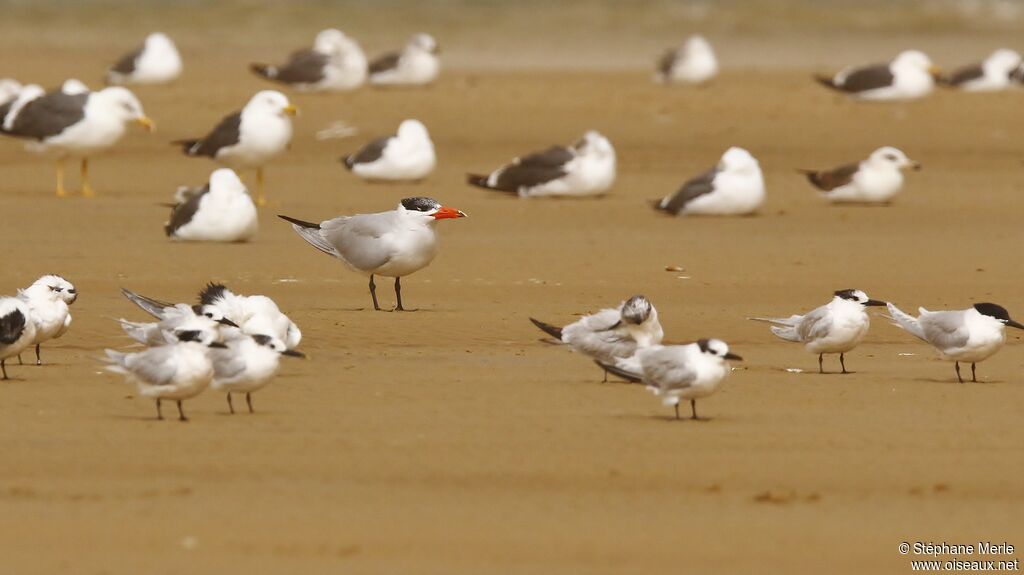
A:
(416, 65)
(909, 76)
(875, 180)
(247, 364)
(222, 211)
(157, 61)
(17, 330)
(734, 187)
(48, 299)
(406, 156)
(692, 63)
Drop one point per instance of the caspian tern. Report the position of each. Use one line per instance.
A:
(391, 244)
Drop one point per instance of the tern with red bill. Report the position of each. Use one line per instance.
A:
(391, 244)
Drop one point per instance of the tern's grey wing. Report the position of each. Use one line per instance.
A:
(691, 190)
(227, 362)
(667, 368)
(155, 366)
(151, 306)
(49, 115)
(304, 67)
(867, 78)
(597, 336)
(827, 180)
(815, 324)
(358, 238)
(944, 329)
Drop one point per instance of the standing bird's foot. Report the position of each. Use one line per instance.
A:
(87, 191)
(62, 193)
(181, 413)
(248, 400)
(39, 359)
(842, 362)
(159, 413)
(957, 365)
(3, 368)
(821, 362)
(231, 406)
(373, 294)
(974, 376)
(677, 410)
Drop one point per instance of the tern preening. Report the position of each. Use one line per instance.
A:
(335, 63)
(969, 335)
(249, 138)
(176, 371)
(675, 372)
(155, 62)
(611, 333)
(910, 75)
(247, 364)
(416, 65)
(391, 244)
(692, 63)
(179, 317)
(836, 327)
(252, 314)
(48, 299)
(874, 181)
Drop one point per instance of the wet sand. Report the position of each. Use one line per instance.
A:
(451, 440)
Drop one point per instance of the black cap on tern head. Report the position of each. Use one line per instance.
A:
(858, 296)
(998, 312)
(421, 204)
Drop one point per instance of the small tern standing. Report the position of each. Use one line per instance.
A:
(176, 371)
(836, 327)
(969, 335)
(247, 365)
(675, 372)
(392, 244)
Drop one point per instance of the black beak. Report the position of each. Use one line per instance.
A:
(916, 166)
(218, 345)
(875, 303)
(1012, 323)
(733, 356)
(226, 321)
(293, 353)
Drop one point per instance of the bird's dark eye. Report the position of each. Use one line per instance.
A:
(209, 315)
(891, 157)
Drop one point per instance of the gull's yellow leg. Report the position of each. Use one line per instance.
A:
(261, 200)
(87, 190)
(61, 192)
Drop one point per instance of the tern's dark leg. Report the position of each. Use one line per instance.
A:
(821, 359)
(957, 364)
(842, 362)
(231, 406)
(693, 408)
(373, 293)
(39, 360)
(677, 411)
(159, 414)
(3, 368)
(605, 380)
(398, 294)
(181, 413)
(19, 360)
(974, 376)
(248, 401)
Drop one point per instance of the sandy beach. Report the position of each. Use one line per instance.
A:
(451, 440)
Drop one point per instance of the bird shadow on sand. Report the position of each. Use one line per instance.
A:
(955, 382)
(670, 418)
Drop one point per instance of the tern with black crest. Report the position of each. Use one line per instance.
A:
(836, 327)
(675, 372)
(391, 244)
(247, 364)
(969, 335)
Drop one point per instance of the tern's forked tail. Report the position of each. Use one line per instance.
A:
(555, 332)
(311, 233)
(153, 307)
(615, 370)
(905, 321)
